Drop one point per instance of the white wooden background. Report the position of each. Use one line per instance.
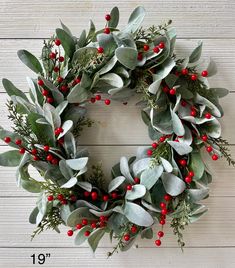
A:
(210, 242)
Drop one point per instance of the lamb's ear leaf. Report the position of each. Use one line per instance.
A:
(113, 23)
(196, 54)
(127, 56)
(10, 158)
(95, 237)
(172, 184)
(67, 42)
(135, 20)
(30, 61)
(12, 90)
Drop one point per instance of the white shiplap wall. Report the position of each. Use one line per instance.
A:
(210, 242)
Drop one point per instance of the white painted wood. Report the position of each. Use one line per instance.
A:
(223, 175)
(39, 18)
(221, 50)
(216, 228)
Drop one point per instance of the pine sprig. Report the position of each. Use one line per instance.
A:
(82, 122)
(96, 177)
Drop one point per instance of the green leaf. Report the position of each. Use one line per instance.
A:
(61, 107)
(12, 90)
(113, 23)
(112, 79)
(108, 66)
(211, 69)
(77, 215)
(95, 237)
(82, 39)
(136, 192)
(137, 215)
(85, 185)
(115, 183)
(140, 165)
(196, 164)
(107, 42)
(83, 55)
(166, 165)
(219, 92)
(35, 92)
(135, 20)
(127, 56)
(197, 194)
(124, 168)
(33, 215)
(77, 164)
(67, 125)
(70, 183)
(78, 94)
(30, 61)
(178, 127)
(180, 147)
(80, 237)
(66, 41)
(91, 32)
(213, 128)
(147, 233)
(196, 54)
(65, 169)
(70, 145)
(65, 28)
(5, 133)
(10, 158)
(31, 186)
(150, 176)
(172, 184)
(203, 101)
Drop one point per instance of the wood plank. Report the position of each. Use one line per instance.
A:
(223, 182)
(13, 69)
(107, 131)
(214, 228)
(38, 19)
(142, 257)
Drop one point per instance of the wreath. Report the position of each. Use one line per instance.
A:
(163, 181)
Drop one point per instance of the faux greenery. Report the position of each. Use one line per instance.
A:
(163, 182)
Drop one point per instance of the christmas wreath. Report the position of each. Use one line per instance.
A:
(163, 181)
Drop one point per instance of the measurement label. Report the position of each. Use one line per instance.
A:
(40, 258)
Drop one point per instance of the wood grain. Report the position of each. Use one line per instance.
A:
(195, 18)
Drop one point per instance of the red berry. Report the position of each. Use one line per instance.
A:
(164, 211)
(34, 151)
(214, 157)
(126, 237)
(57, 42)
(149, 152)
(22, 150)
(105, 198)
(163, 217)
(183, 162)
(106, 30)
(52, 55)
(94, 196)
(102, 224)
(60, 79)
(146, 47)
(61, 59)
(102, 218)
(137, 180)
(73, 198)
(160, 234)
(158, 242)
(50, 198)
(40, 82)
(114, 195)
(154, 145)
(64, 202)
(165, 89)
(161, 45)
(60, 197)
(79, 226)
(162, 205)
(87, 233)
(86, 194)
(129, 187)
(98, 97)
(92, 100)
(209, 149)
(204, 73)
(193, 113)
(100, 50)
(133, 229)
(140, 56)
(50, 100)
(84, 221)
(70, 232)
(193, 77)
(183, 103)
(49, 157)
(162, 222)
(208, 115)
(162, 139)
(55, 161)
(7, 139)
(93, 225)
(64, 88)
(188, 179)
(191, 174)
(108, 17)
(107, 101)
(45, 92)
(46, 148)
(35, 158)
(156, 49)
(167, 197)
(172, 91)
(56, 69)
(184, 71)
(204, 138)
